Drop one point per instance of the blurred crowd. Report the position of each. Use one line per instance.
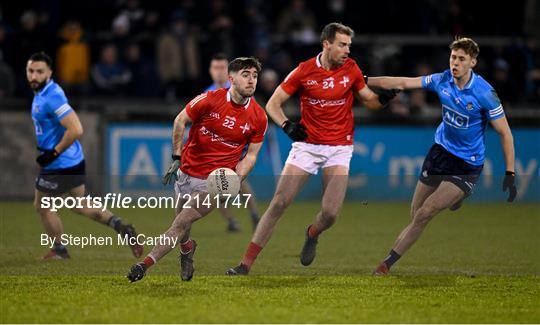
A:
(161, 49)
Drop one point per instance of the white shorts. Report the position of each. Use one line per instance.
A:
(187, 184)
(310, 157)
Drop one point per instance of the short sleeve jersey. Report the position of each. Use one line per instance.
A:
(465, 113)
(326, 99)
(220, 131)
(49, 107)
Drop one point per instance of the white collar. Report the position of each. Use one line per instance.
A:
(229, 99)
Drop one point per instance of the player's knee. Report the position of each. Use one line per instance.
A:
(280, 202)
(39, 208)
(182, 222)
(424, 214)
(412, 212)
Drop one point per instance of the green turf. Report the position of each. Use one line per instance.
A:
(480, 264)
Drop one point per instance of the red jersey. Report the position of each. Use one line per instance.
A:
(326, 99)
(220, 131)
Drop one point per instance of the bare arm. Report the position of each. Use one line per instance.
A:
(507, 141)
(274, 106)
(179, 127)
(245, 165)
(395, 82)
(369, 98)
(74, 131)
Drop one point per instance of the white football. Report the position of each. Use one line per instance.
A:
(223, 181)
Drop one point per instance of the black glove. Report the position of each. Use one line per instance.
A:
(47, 157)
(295, 131)
(385, 95)
(509, 184)
(171, 175)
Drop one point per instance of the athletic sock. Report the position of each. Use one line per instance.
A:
(313, 232)
(255, 216)
(115, 223)
(392, 258)
(251, 254)
(149, 261)
(186, 247)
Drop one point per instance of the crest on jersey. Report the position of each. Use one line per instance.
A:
(345, 81)
(470, 106)
(245, 128)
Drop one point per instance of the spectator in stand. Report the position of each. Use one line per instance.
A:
(144, 81)
(73, 59)
(178, 58)
(109, 75)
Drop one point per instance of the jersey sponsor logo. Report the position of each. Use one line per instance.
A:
(454, 118)
(214, 115)
(214, 137)
(312, 83)
(324, 102)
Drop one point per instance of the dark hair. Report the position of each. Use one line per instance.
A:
(41, 56)
(244, 63)
(467, 45)
(220, 57)
(329, 32)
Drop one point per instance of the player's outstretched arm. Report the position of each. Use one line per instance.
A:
(507, 141)
(245, 165)
(377, 99)
(400, 83)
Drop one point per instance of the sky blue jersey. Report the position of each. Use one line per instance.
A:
(49, 107)
(465, 113)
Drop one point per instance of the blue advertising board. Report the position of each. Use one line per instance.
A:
(385, 163)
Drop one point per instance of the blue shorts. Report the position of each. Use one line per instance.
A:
(440, 165)
(60, 181)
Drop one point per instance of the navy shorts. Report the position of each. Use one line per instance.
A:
(440, 165)
(60, 181)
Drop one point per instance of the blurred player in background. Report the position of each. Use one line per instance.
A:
(224, 122)
(327, 85)
(220, 78)
(58, 130)
(454, 163)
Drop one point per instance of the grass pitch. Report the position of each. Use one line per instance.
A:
(480, 264)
